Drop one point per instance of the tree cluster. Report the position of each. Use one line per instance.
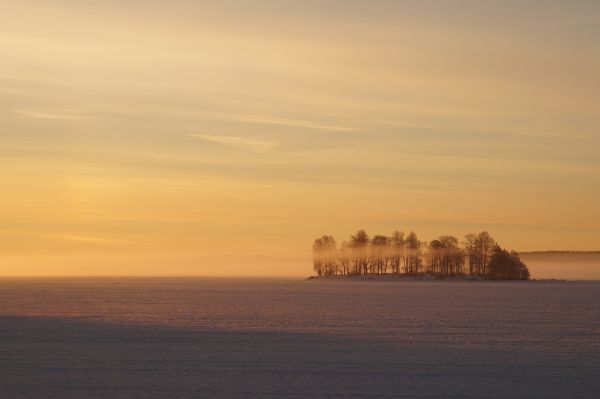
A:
(477, 255)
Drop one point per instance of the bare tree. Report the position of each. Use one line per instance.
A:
(484, 245)
(469, 246)
(325, 256)
(344, 256)
(443, 256)
(379, 254)
(412, 257)
(397, 249)
(360, 257)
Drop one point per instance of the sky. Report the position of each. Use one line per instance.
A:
(222, 137)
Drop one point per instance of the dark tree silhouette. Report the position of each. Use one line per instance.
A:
(506, 265)
(442, 257)
(470, 251)
(445, 257)
(397, 250)
(413, 256)
(360, 256)
(483, 246)
(379, 258)
(325, 256)
(344, 258)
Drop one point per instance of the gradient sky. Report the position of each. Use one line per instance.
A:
(222, 137)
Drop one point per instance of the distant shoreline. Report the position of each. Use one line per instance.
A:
(425, 277)
(566, 252)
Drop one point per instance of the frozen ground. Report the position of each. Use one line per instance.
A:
(200, 338)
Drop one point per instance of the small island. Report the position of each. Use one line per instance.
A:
(477, 257)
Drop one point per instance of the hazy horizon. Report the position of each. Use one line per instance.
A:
(543, 265)
(222, 138)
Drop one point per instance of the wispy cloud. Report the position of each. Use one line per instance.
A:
(296, 123)
(92, 240)
(238, 142)
(52, 114)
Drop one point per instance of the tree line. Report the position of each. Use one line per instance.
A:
(478, 255)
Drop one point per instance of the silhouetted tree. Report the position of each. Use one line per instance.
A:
(412, 257)
(442, 257)
(434, 256)
(325, 256)
(506, 265)
(453, 256)
(379, 254)
(344, 257)
(470, 251)
(483, 246)
(360, 257)
(397, 249)
(445, 257)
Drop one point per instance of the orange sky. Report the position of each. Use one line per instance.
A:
(146, 137)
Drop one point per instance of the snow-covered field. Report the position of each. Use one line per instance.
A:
(219, 338)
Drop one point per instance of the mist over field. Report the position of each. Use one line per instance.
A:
(563, 265)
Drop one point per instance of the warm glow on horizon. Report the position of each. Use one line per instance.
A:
(222, 138)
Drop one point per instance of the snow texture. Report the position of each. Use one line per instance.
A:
(209, 338)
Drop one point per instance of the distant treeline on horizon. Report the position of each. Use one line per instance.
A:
(478, 255)
(563, 252)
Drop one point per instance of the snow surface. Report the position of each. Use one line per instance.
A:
(211, 338)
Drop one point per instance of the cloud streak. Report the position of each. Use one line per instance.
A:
(297, 123)
(259, 146)
(57, 115)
